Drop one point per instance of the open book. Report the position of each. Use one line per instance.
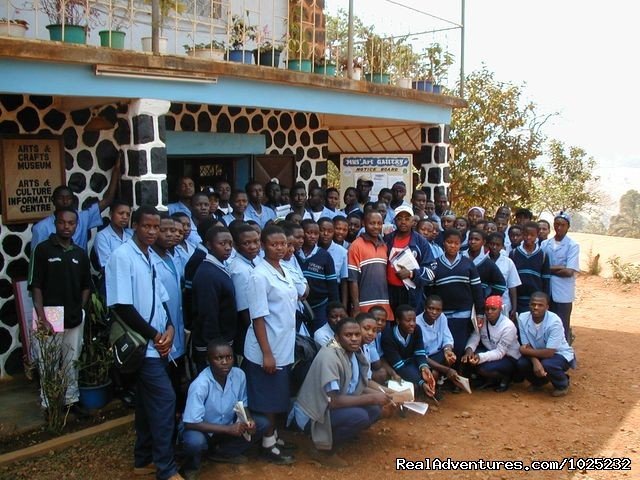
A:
(404, 258)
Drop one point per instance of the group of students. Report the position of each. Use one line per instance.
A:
(320, 304)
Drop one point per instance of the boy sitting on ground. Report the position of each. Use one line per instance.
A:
(210, 420)
(335, 313)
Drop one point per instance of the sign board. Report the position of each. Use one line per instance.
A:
(384, 169)
(31, 168)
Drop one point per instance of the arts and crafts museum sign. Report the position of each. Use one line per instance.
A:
(31, 168)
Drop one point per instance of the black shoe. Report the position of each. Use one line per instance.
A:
(282, 445)
(503, 387)
(276, 456)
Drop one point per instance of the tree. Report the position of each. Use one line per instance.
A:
(566, 181)
(497, 140)
(627, 222)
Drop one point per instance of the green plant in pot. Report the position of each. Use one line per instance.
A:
(213, 50)
(239, 33)
(268, 51)
(325, 66)
(439, 61)
(96, 359)
(13, 28)
(166, 7)
(378, 52)
(70, 19)
(403, 63)
(299, 46)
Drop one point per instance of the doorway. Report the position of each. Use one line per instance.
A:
(206, 170)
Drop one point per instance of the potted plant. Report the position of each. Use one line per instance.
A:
(118, 16)
(439, 62)
(67, 18)
(299, 45)
(166, 6)
(13, 28)
(378, 52)
(403, 64)
(239, 33)
(213, 50)
(268, 51)
(325, 66)
(96, 359)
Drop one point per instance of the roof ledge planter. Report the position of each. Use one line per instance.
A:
(66, 17)
(213, 50)
(239, 33)
(377, 50)
(112, 39)
(13, 28)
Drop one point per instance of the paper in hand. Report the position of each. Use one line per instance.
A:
(242, 418)
(418, 407)
(463, 382)
(54, 317)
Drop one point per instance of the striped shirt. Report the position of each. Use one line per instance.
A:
(533, 269)
(368, 268)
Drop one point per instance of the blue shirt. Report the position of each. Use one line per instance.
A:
(274, 297)
(565, 253)
(325, 212)
(435, 336)
(263, 217)
(130, 281)
(209, 402)
(240, 269)
(169, 275)
(228, 218)
(87, 219)
(547, 334)
(324, 335)
(107, 240)
(339, 255)
(183, 254)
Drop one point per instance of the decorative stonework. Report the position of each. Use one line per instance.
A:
(433, 160)
(286, 133)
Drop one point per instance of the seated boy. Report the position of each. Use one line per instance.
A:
(546, 355)
(335, 313)
(496, 359)
(404, 350)
(209, 417)
(369, 326)
(334, 403)
(437, 338)
(380, 314)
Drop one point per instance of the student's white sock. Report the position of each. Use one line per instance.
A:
(268, 442)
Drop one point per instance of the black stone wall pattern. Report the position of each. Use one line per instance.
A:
(187, 123)
(314, 122)
(29, 119)
(440, 155)
(70, 136)
(11, 102)
(137, 160)
(54, 119)
(9, 127)
(204, 122)
(77, 182)
(300, 120)
(192, 107)
(122, 132)
(292, 138)
(90, 138)
(434, 175)
(305, 139)
(434, 135)
(257, 122)
(41, 101)
(285, 121)
(5, 340)
(16, 268)
(81, 117)
(85, 159)
(146, 192)
(142, 129)
(241, 125)
(12, 245)
(98, 182)
(223, 125)
(158, 160)
(107, 154)
(306, 170)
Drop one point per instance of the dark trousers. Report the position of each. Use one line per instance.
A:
(348, 422)
(155, 418)
(319, 318)
(194, 443)
(502, 369)
(398, 296)
(556, 368)
(410, 372)
(461, 329)
(563, 310)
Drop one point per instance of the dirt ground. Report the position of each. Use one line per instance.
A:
(599, 418)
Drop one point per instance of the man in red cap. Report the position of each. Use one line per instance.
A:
(495, 360)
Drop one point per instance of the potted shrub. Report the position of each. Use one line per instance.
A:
(96, 359)
(13, 28)
(268, 51)
(118, 16)
(166, 6)
(70, 19)
(239, 33)
(403, 64)
(325, 66)
(439, 61)
(378, 52)
(213, 50)
(299, 45)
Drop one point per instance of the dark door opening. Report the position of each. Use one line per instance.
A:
(204, 170)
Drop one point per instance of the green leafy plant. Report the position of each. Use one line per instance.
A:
(96, 358)
(438, 63)
(378, 52)
(241, 31)
(212, 45)
(299, 45)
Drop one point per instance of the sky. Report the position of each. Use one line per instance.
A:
(576, 58)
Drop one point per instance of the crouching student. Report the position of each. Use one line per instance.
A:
(380, 315)
(334, 403)
(496, 359)
(546, 355)
(404, 350)
(210, 420)
(437, 338)
(369, 326)
(335, 313)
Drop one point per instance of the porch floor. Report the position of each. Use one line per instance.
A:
(20, 406)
